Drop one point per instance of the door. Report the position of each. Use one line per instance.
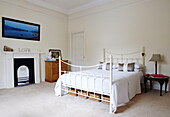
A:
(78, 47)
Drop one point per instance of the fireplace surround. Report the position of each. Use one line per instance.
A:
(10, 56)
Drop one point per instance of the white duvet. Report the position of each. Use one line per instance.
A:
(125, 84)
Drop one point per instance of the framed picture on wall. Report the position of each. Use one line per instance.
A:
(17, 29)
(55, 53)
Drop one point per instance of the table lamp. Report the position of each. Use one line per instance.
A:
(156, 58)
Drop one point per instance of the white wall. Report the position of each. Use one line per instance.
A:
(54, 29)
(124, 26)
(121, 26)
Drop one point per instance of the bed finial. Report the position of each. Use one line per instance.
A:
(143, 55)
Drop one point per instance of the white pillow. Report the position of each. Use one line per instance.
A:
(139, 66)
(138, 70)
(104, 66)
(100, 66)
(115, 66)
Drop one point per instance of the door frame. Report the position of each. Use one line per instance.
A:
(71, 43)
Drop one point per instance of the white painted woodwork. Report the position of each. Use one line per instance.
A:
(111, 109)
(78, 48)
(9, 68)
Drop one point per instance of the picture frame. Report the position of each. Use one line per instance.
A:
(17, 29)
(55, 53)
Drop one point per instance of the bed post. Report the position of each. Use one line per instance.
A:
(143, 56)
(60, 74)
(111, 78)
(104, 55)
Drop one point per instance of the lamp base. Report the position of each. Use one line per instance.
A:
(156, 67)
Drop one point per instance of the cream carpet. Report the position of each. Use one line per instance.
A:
(38, 100)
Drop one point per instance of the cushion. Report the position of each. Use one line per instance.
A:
(107, 66)
(130, 67)
(126, 67)
(100, 66)
(120, 66)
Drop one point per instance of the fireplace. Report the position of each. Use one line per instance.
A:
(23, 71)
(22, 68)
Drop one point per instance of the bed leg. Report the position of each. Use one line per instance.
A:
(111, 109)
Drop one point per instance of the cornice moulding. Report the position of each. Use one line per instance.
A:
(90, 5)
(58, 9)
(47, 5)
(106, 8)
(53, 13)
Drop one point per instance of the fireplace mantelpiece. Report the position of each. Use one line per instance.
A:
(10, 66)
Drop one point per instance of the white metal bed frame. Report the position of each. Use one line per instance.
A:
(111, 110)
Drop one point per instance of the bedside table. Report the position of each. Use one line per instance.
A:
(52, 70)
(160, 79)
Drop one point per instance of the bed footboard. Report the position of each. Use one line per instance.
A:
(81, 89)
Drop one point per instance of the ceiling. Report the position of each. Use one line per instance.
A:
(68, 6)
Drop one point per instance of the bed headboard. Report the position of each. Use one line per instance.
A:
(136, 56)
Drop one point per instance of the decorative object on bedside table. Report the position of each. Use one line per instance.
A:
(156, 58)
(55, 53)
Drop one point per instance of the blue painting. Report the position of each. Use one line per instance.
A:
(19, 29)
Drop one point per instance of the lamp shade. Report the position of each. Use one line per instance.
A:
(156, 57)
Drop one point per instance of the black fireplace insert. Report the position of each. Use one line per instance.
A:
(27, 63)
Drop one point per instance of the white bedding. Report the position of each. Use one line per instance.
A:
(125, 84)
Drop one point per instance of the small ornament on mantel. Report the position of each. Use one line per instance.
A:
(8, 49)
